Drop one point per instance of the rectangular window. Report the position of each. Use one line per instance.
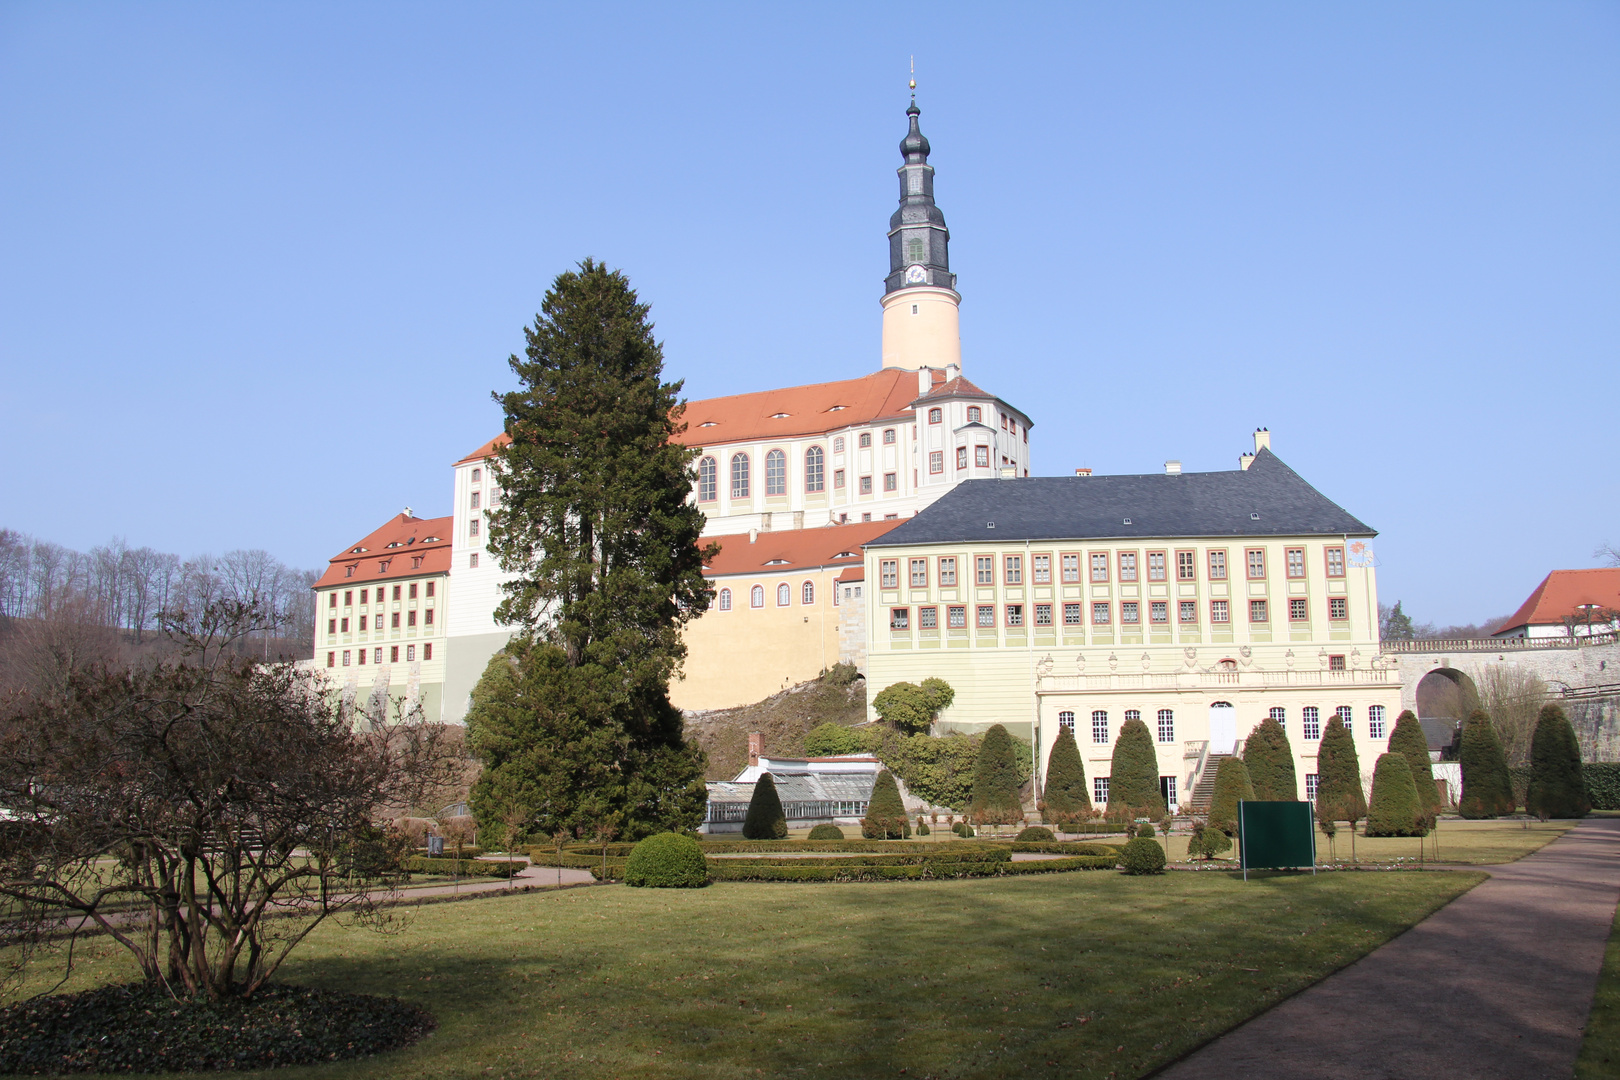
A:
(889, 573)
(985, 569)
(1127, 566)
(936, 461)
(947, 571)
(413, 590)
(331, 659)
(345, 657)
(956, 617)
(987, 617)
(1375, 721)
(1310, 787)
(362, 624)
(345, 626)
(1099, 726)
(1296, 562)
(1167, 784)
(1189, 611)
(472, 561)
(888, 436)
(1345, 716)
(331, 626)
(1041, 567)
(1099, 566)
(1015, 569)
(363, 596)
(333, 600)
(1099, 789)
(393, 654)
(427, 651)
(866, 485)
(1186, 566)
(1257, 611)
(1257, 563)
(1043, 614)
(1167, 725)
(410, 617)
(1335, 663)
(1338, 608)
(430, 588)
(410, 652)
(1217, 566)
(928, 618)
(362, 657)
(866, 438)
(981, 456)
(838, 479)
(396, 592)
(1335, 562)
(394, 620)
(1279, 714)
(1156, 567)
(348, 598)
(961, 457)
(1066, 721)
(891, 481)
(899, 618)
(1015, 614)
(1099, 614)
(919, 573)
(1297, 609)
(1129, 612)
(472, 527)
(1071, 614)
(427, 618)
(475, 500)
(1159, 611)
(1311, 721)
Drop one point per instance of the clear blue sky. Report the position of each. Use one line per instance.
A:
(261, 266)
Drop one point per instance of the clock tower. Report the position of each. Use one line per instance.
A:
(920, 326)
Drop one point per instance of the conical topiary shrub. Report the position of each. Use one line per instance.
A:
(1395, 809)
(1409, 741)
(1269, 757)
(1557, 788)
(1339, 796)
(1487, 788)
(765, 820)
(995, 781)
(1133, 782)
(885, 812)
(1066, 797)
(1231, 785)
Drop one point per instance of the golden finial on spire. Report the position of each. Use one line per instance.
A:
(913, 78)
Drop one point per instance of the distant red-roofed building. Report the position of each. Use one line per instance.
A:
(1568, 602)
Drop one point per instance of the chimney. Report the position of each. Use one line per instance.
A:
(925, 380)
(756, 746)
(1172, 468)
(1082, 472)
(1009, 472)
(407, 511)
(1262, 439)
(953, 371)
(753, 534)
(1244, 461)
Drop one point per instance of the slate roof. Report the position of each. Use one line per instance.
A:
(801, 787)
(1156, 506)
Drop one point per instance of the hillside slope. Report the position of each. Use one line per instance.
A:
(838, 697)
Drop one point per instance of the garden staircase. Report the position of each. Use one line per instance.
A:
(1203, 793)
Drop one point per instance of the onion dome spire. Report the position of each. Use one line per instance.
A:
(918, 239)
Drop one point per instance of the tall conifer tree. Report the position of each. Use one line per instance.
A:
(1232, 785)
(594, 523)
(1557, 788)
(765, 819)
(1339, 795)
(1133, 782)
(1066, 797)
(1395, 809)
(1487, 786)
(1269, 757)
(886, 811)
(1409, 741)
(995, 780)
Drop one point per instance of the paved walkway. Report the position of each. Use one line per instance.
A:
(529, 877)
(1494, 986)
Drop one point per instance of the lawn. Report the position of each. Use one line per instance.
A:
(1600, 1048)
(1090, 974)
(1474, 843)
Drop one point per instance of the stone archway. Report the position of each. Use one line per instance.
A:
(1446, 694)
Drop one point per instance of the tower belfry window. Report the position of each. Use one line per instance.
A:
(916, 252)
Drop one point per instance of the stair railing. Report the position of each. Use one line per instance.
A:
(1201, 754)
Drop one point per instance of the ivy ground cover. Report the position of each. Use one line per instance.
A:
(1075, 975)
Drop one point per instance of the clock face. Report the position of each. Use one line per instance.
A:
(915, 275)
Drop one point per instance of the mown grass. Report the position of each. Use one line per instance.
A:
(1470, 843)
(1600, 1046)
(1089, 974)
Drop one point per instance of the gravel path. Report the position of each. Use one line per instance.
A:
(1494, 986)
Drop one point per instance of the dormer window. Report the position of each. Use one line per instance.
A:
(776, 562)
(707, 423)
(394, 544)
(779, 416)
(846, 555)
(430, 539)
(838, 408)
(358, 551)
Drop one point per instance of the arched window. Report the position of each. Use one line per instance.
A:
(708, 472)
(1066, 721)
(935, 416)
(725, 599)
(1099, 726)
(756, 596)
(1279, 714)
(808, 596)
(1167, 725)
(1375, 721)
(784, 595)
(776, 473)
(838, 445)
(739, 476)
(814, 475)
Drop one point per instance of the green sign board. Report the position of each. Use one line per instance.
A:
(1276, 835)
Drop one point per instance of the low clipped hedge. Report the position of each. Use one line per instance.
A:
(464, 867)
(1035, 834)
(926, 871)
(728, 847)
(826, 832)
(1066, 847)
(900, 859)
(667, 861)
(1602, 784)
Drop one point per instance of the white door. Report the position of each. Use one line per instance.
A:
(1222, 728)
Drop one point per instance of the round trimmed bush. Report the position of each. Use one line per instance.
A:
(1145, 830)
(826, 832)
(1142, 856)
(922, 828)
(963, 829)
(667, 861)
(1035, 834)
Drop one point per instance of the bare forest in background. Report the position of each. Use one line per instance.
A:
(60, 608)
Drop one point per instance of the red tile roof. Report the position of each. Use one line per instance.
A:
(488, 449)
(397, 543)
(798, 549)
(1561, 592)
(957, 387)
(800, 410)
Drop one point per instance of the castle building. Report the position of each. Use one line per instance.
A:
(1198, 603)
(380, 631)
(867, 450)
